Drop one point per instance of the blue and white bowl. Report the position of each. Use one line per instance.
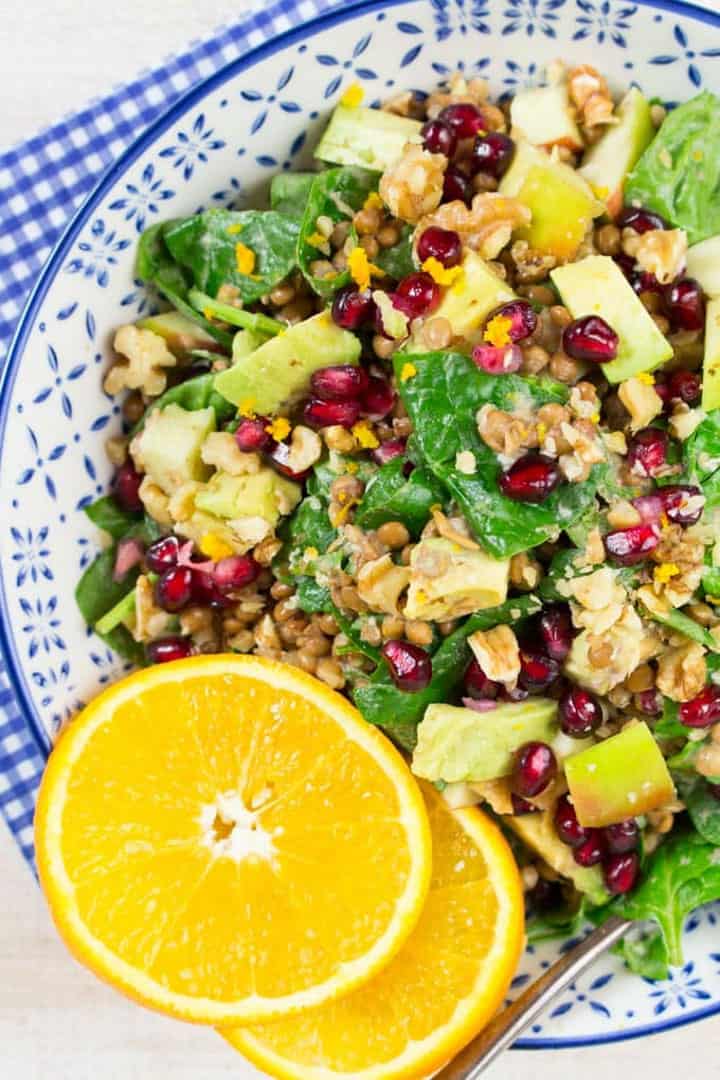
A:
(221, 144)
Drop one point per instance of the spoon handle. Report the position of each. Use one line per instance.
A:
(512, 1021)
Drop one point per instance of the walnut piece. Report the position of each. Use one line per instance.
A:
(684, 551)
(498, 654)
(380, 583)
(661, 252)
(155, 501)
(531, 265)
(589, 92)
(412, 186)
(147, 355)
(707, 762)
(641, 400)
(305, 449)
(150, 620)
(485, 226)
(181, 504)
(682, 672)
(222, 452)
(684, 420)
(505, 433)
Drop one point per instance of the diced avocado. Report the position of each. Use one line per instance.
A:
(618, 778)
(370, 138)
(279, 371)
(543, 116)
(263, 494)
(539, 833)
(447, 581)
(180, 334)
(469, 300)
(462, 744)
(711, 361)
(560, 200)
(703, 264)
(597, 286)
(608, 162)
(169, 445)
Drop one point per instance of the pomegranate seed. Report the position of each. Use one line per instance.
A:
(492, 153)
(627, 265)
(535, 767)
(646, 282)
(683, 503)
(662, 387)
(388, 450)
(567, 825)
(503, 360)
(580, 713)
(517, 693)
(521, 317)
(464, 118)
(590, 338)
(206, 592)
(280, 453)
(531, 479)
(477, 684)
(703, 711)
(235, 572)
(417, 294)
(173, 590)
(350, 308)
(556, 630)
(162, 554)
(410, 666)
(649, 507)
(441, 244)
(621, 873)
(456, 185)
(439, 138)
(343, 382)
(126, 488)
(252, 434)
(685, 304)
(545, 895)
(640, 219)
(622, 837)
(522, 806)
(379, 398)
(591, 851)
(685, 386)
(537, 672)
(647, 451)
(167, 649)
(714, 790)
(649, 702)
(629, 546)
(330, 413)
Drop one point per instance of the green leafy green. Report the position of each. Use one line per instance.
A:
(393, 496)
(678, 176)
(107, 515)
(96, 594)
(246, 320)
(335, 194)
(397, 261)
(564, 922)
(122, 611)
(701, 454)
(683, 624)
(397, 712)
(702, 806)
(645, 953)
(154, 263)
(206, 244)
(289, 192)
(197, 393)
(442, 400)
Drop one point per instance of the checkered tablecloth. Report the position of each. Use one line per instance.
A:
(42, 183)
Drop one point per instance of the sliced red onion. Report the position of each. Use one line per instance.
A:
(479, 704)
(184, 558)
(130, 552)
(649, 507)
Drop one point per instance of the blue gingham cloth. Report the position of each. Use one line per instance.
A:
(42, 183)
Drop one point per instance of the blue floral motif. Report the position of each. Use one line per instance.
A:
(688, 54)
(41, 463)
(586, 998)
(532, 16)
(99, 253)
(460, 15)
(143, 198)
(600, 20)
(521, 77)
(42, 625)
(267, 100)
(476, 68)
(232, 195)
(56, 682)
(351, 65)
(59, 381)
(704, 916)
(144, 298)
(193, 148)
(681, 987)
(30, 555)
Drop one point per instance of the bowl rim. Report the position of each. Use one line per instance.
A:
(28, 317)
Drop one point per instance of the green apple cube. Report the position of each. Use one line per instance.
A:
(597, 286)
(370, 138)
(543, 116)
(469, 300)
(619, 778)
(447, 582)
(703, 264)
(607, 163)
(711, 361)
(170, 444)
(263, 494)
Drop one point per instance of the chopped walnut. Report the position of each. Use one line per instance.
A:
(498, 654)
(641, 400)
(412, 186)
(682, 672)
(155, 501)
(586, 450)
(525, 572)
(380, 584)
(551, 421)
(707, 762)
(661, 252)
(683, 551)
(531, 265)
(594, 549)
(248, 531)
(150, 620)
(599, 661)
(221, 451)
(267, 640)
(589, 92)
(181, 504)
(454, 529)
(584, 402)
(623, 515)
(505, 433)
(199, 623)
(147, 354)
(600, 600)
(305, 449)
(485, 226)
(684, 420)
(470, 91)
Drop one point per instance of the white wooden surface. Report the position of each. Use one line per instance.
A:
(56, 1021)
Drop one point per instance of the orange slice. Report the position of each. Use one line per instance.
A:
(446, 982)
(225, 839)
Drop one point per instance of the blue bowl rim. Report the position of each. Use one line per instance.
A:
(196, 94)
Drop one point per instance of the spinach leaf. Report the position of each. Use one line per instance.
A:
(702, 806)
(678, 176)
(560, 923)
(155, 264)
(397, 712)
(393, 496)
(254, 321)
(701, 454)
(335, 194)
(645, 953)
(711, 581)
(289, 192)
(668, 726)
(683, 624)
(96, 594)
(443, 399)
(312, 597)
(121, 641)
(107, 515)
(197, 393)
(309, 527)
(397, 261)
(207, 246)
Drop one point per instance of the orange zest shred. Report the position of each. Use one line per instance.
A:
(408, 371)
(497, 331)
(441, 275)
(373, 202)
(215, 547)
(352, 96)
(279, 428)
(365, 435)
(361, 269)
(246, 408)
(244, 259)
